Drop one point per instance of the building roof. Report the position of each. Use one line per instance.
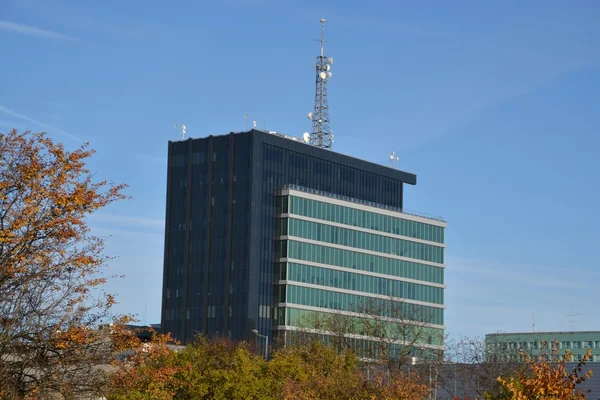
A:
(543, 333)
(344, 159)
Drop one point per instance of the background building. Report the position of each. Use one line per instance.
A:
(262, 229)
(509, 345)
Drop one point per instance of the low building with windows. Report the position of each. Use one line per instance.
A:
(510, 346)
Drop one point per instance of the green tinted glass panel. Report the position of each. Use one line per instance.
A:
(364, 240)
(363, 283)
(365, 219)
(364, 262)
(391, 330)
(361, 347)
(348, 302)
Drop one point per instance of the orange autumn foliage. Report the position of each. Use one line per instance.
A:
(547, 379)
(51, 297)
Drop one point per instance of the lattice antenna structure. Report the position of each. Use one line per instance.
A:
(321, 134)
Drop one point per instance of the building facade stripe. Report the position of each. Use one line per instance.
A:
(358, 250)
(362, 272)
(355, 314)
(363, 207)
(354, 336)
(360, 229)
(359, 293)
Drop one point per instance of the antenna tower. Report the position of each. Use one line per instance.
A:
(321, 135)
(572, 316)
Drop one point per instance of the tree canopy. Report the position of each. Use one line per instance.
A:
(51, 297)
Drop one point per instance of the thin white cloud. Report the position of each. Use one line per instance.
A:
(40, 124)
(128, 221)
(485, 296)
(32, 31)
(110, 232)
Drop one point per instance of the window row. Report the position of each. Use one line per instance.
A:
(360, 304)
(363, 219)
(366, 241)
(518, 357)
(346, 324)
(362, 261)
(374, 349)
(544, 345)
(360, 282)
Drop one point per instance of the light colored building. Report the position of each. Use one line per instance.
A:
(509, 345)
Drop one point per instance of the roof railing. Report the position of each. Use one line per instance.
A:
(363, 202)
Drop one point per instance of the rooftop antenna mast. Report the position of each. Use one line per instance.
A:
(321, 135)
(394, 159)
(572, 316)
(183, 130)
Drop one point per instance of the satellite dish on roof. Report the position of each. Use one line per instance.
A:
(306, 137)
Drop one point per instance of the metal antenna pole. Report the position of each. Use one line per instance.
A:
(572, 320)
(321, 135)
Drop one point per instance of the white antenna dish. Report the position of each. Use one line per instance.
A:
(394, 158)
(322, 75)
(327, 67)
(306, 137)
(330, 60)
(310, 115)
(254, 124)
(329, 75)
(183, 129)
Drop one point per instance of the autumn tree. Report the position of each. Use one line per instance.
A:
(222, 369)
(547, 377)
(51, 297)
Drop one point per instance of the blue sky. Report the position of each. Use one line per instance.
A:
(494, 105)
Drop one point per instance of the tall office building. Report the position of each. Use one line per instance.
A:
(263, 231)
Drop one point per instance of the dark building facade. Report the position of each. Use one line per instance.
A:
(221, 242)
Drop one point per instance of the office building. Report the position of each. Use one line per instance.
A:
(509, 346)
(263, 229)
